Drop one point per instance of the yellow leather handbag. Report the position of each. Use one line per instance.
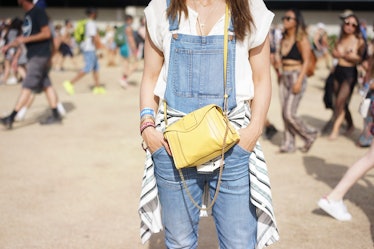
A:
(200, 136)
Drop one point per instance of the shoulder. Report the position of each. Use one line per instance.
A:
(261, 15)
(38, 12)
(155, 7)
(262, 18)
(157, 22)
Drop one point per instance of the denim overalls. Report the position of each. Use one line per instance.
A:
(195, 79)
(195, 75)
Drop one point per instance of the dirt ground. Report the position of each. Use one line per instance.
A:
(76, 185)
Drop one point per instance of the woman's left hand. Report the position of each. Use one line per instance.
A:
(248, 138)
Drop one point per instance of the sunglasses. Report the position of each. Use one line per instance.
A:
(288, 18)
(352, 24)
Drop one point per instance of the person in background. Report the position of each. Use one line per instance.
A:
(110, 44)
(141, 37)
(295, 52)
(65, 47)
(128, 52)
(184, 45)
(270, 129)
(38, 40)
(349, 51)
(321, 44)
(89, 46)
(274, 37)
(332, 203)
(366, 137)
(10, 72)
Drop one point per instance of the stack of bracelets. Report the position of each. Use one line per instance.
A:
(147, 119)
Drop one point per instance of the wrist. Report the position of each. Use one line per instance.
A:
(146, 125)
(147, 111)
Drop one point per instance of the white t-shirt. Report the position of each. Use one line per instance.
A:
(160, 35)
(90, 32)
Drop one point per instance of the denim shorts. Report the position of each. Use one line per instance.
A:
(91, 62)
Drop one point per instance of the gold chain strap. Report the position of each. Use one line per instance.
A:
(225, 97)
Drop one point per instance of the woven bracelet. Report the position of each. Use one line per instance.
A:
(145, 125)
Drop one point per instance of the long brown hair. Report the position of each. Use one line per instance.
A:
(240, 14)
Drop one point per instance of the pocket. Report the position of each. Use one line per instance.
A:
(188, 60)
(163, 165)
(158, 151)
(237, 155)
(243, 151)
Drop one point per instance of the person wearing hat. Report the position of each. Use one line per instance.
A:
(346, 13)
(348, 50)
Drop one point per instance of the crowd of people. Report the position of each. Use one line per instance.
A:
(28, 58)
(62, 46)
(66, 49)
(350, 59)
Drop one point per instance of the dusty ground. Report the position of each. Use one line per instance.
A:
(76, 185)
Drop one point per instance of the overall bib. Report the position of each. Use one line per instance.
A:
(195, 76)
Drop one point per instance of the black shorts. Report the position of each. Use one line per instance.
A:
(346, 74)
(37, 74)
(65, 50)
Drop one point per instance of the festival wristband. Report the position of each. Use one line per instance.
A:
(147, 111)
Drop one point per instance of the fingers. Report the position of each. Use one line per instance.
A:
(167, 147)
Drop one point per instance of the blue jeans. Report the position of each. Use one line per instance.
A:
(234, 214)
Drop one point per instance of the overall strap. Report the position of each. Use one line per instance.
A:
(173, 23)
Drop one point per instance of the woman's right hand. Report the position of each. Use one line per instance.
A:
(155, 140)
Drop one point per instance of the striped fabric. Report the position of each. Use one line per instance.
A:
(149, 208)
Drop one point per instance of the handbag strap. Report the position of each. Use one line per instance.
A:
(225, 98)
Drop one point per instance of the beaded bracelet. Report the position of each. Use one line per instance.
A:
(147, 111)
(145, 125)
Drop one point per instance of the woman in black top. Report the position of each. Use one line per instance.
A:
(295, 55)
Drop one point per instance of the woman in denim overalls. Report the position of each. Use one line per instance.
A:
(192, 67)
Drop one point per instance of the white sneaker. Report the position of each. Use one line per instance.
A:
(61, 110)
(123, 83)
(336, 209)
(12, 81)
(21, 114)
